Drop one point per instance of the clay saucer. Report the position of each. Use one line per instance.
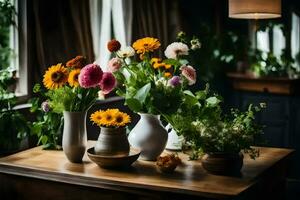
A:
(117, 161)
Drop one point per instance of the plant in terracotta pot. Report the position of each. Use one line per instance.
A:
(222, 138)
(152, 87)
(112, 140)
(72, 89)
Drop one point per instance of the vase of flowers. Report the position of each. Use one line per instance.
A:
(220, 138)
(112, 140)
(72, 90)
(151, 86)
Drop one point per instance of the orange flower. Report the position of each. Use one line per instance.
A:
(113, 45)
(167, 74)
(145, 45)
(77, 62)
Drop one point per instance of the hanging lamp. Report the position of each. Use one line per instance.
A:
(254, 9)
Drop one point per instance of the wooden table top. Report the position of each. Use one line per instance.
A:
(189, 178)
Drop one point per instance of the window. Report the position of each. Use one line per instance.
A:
(295, 38)
(13, 52)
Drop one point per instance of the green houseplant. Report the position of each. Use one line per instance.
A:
(220, 137)
(13, 125)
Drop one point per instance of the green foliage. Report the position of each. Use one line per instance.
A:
(146, 89)
(267, 64)
(13, 125)
(7, 13)
(218, 53)
(48, 126)
(74, 99)
(201, 122)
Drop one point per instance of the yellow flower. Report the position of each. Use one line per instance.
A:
(110, 118)
(167, 74)
(145, 45)
(73, 78)
(97, 117)
(121, 119)
(157, 63)
(55, 77)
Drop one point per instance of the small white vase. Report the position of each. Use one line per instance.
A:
(174, 141)
(149, 135)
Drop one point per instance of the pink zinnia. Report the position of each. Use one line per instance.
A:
(108, 82)
(90, 76)
(189, 73)
(114, 64)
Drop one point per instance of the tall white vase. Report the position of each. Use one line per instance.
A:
(149, 135)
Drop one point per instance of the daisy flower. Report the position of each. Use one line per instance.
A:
(126, 52)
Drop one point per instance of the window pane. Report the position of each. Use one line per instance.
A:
(295, 35)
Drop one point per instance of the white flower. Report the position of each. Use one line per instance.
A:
(126, 52)
(195, 44)
(176, 49)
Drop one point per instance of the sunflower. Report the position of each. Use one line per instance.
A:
(97, 117)
(145, 45)
(110, 118)
(55, 77)
(73, 78)
(121, 119)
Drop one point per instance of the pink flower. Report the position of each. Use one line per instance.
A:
(108, 82)
(114, 64)
(189, 73)
(90, 76)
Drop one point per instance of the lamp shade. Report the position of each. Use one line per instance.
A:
(254, 9)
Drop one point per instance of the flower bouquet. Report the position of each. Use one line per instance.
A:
(151, 86)
(72, 89)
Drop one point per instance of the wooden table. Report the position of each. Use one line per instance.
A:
(41, 174)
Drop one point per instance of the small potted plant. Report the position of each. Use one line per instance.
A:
(221, 138)
(112, 140)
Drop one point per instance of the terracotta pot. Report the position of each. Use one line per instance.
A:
(223, 163)
(112, 142)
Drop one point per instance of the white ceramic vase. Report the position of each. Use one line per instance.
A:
(174, 141)
(149, 135)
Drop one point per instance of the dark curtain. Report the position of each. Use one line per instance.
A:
(58, 30)
(156, 18)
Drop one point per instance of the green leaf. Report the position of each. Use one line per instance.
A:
(171, 62)
(133, 104)
(183, 62)
(142, 93)
(188, 93)
(213, 101)
(201, 95)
